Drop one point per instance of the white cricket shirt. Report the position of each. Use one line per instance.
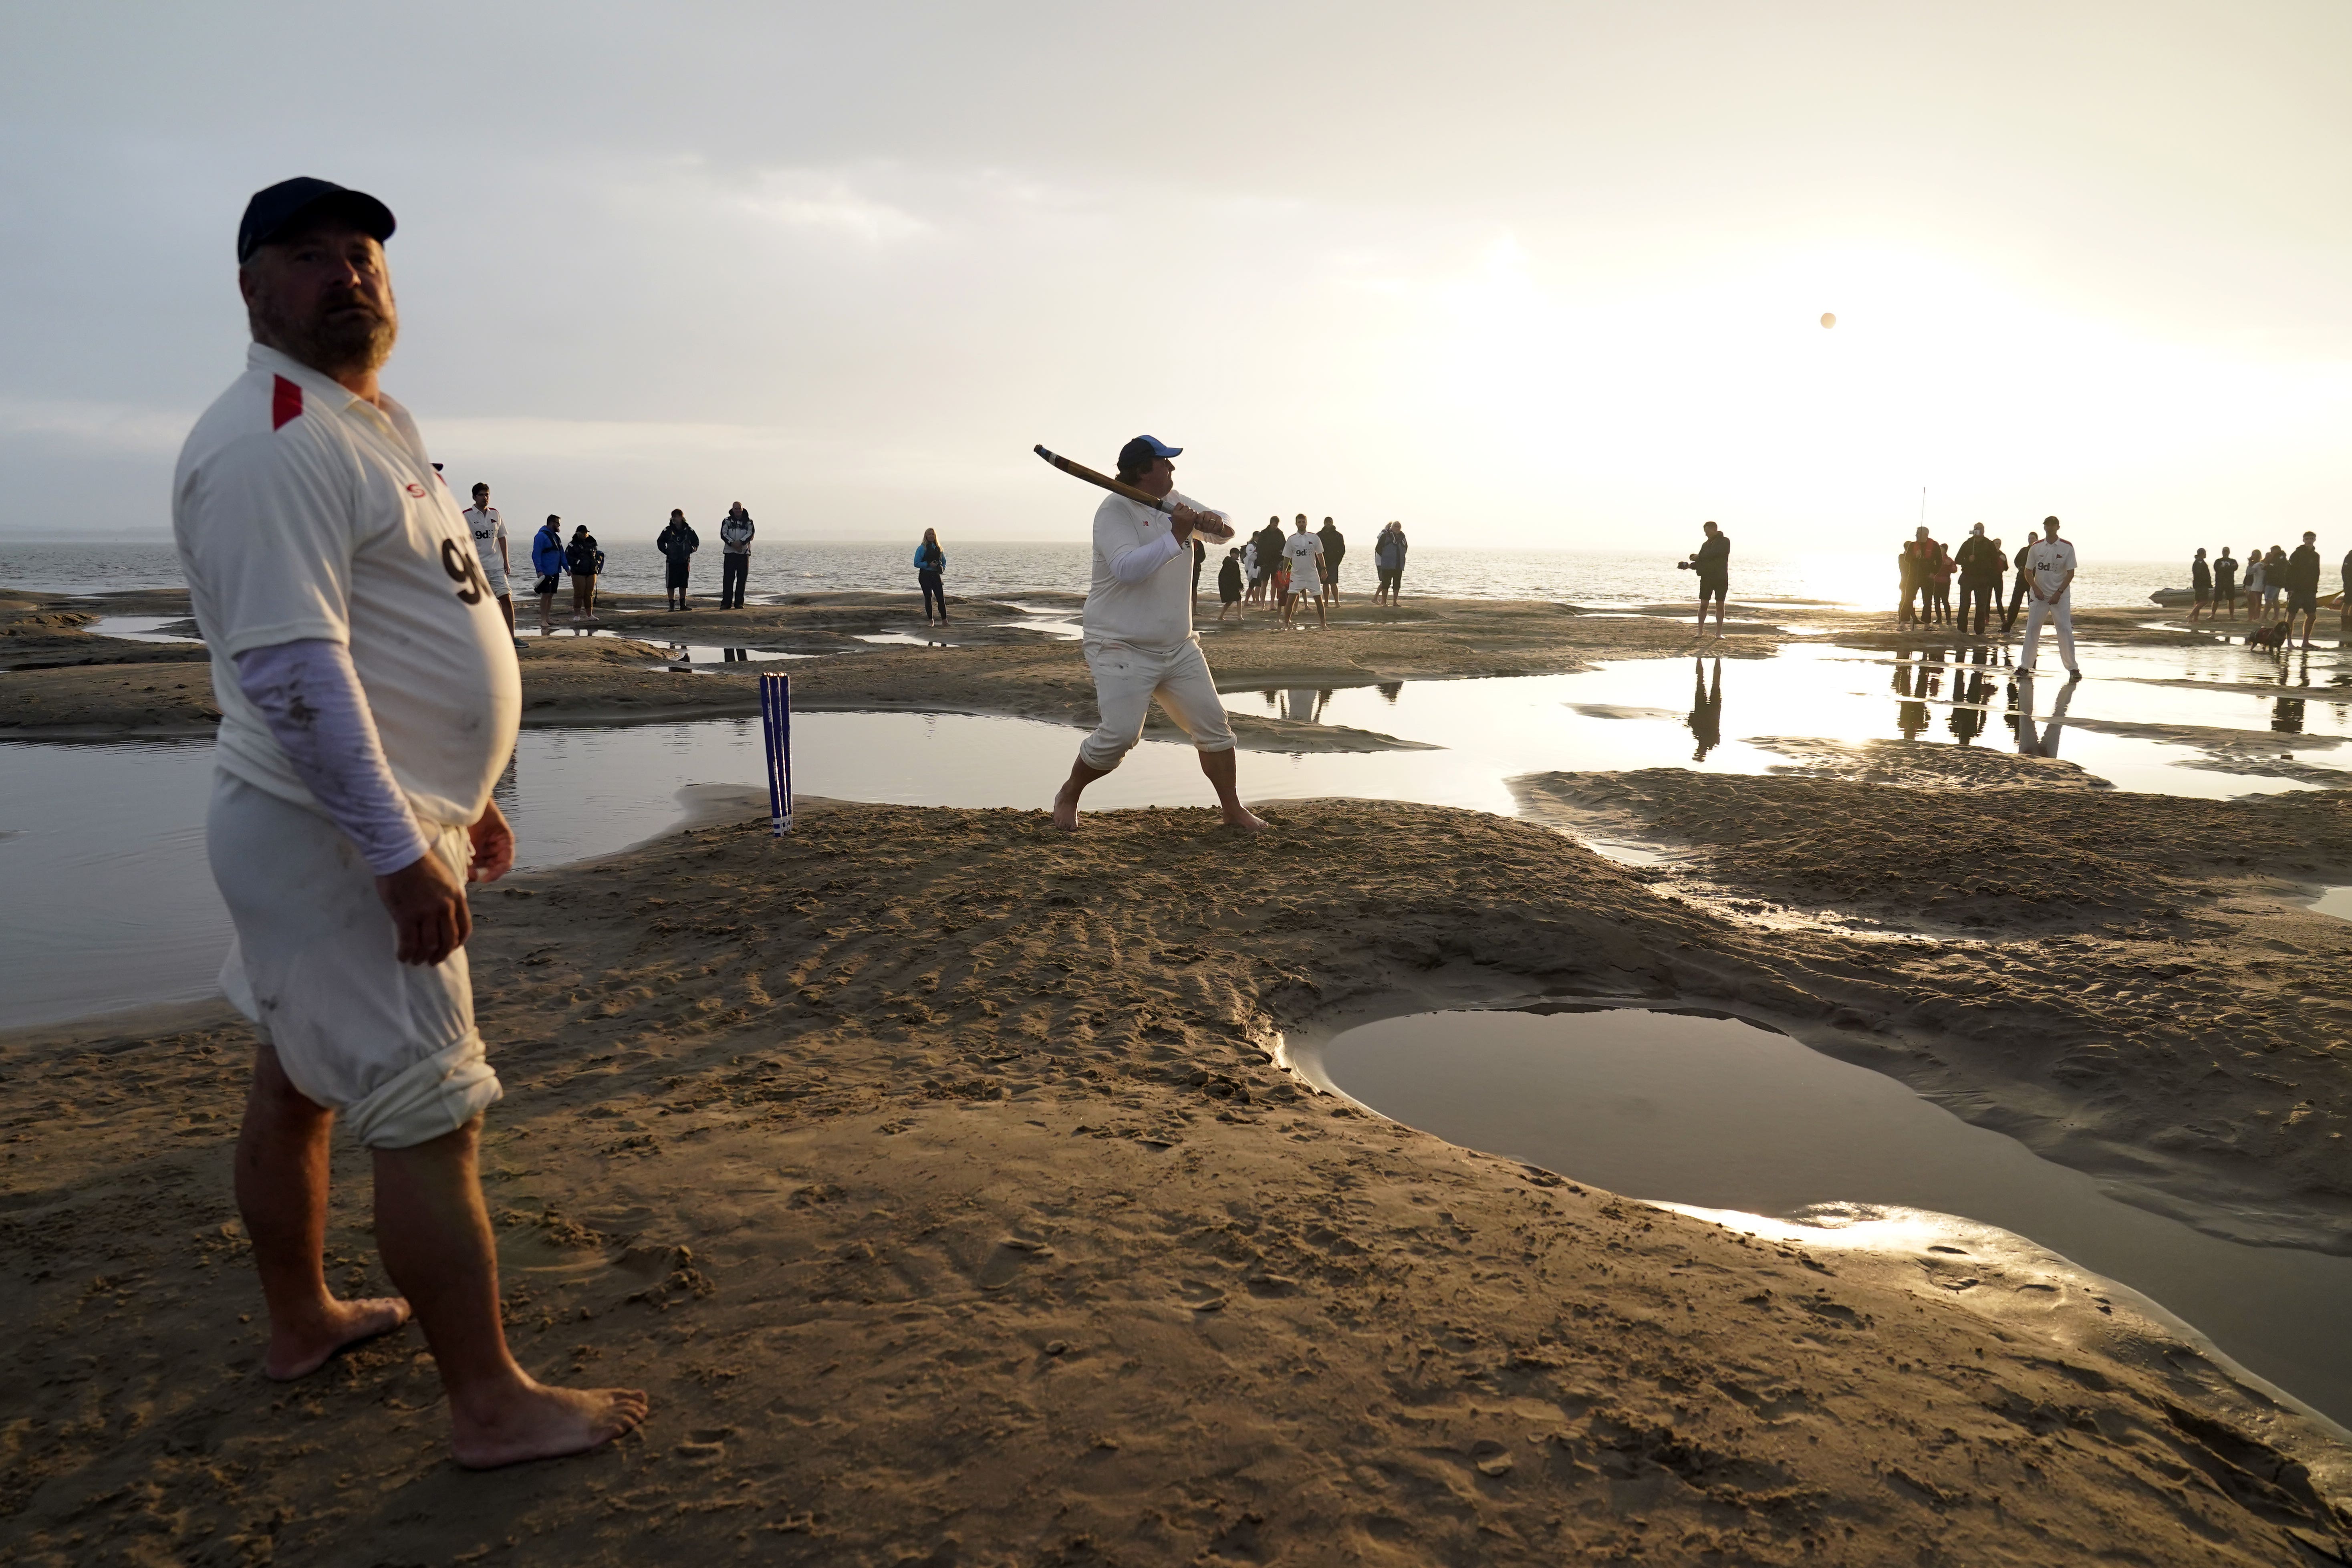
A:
(302, 510)
(490, 531)
(2049, 560)
(1157, 612)
(1305, 552)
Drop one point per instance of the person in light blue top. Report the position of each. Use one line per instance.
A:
(931, 565)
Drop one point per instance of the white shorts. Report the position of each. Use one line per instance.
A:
(1128, 678)
(390, 1046)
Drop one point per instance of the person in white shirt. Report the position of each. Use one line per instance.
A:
(369, 700)
(1305, 552)
(489, 530)
(2049, 573)
(1139, 643)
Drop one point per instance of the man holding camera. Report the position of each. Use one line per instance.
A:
(1712, 562)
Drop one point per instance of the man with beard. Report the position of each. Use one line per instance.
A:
(369, 698)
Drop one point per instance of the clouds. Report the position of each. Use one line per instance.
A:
(1522, 271)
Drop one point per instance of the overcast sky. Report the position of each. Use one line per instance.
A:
(1517, 274)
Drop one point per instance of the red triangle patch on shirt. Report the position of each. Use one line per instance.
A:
(285, 404)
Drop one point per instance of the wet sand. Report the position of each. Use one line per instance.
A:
(934, 1173)
(62, 681)
(941, 1177)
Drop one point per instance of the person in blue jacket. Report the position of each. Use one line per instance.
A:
(547, 560)
(930, 564)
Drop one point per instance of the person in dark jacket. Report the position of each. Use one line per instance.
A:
(1982, 564)
(678, 543)
(548, 563)
(2225, 584)
(2302, 585)
(1712, 562)
(1335, 545)
(734, 556)
(587, 563)
(2017, 595)
(2200, 587)
(1229, 584)
(930, 569)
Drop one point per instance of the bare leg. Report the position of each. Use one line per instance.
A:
(434, 1236)
(506, 609)
(1322, 621)
(1219, 766)
(1066, 799)
(547, 614)
(281, 1191)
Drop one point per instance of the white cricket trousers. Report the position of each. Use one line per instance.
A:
(1127, 678)
(389, 1047)
(2035, 609)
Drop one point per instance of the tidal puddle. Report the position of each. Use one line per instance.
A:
(1718, 1113)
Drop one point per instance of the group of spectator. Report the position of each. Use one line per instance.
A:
(2268, 577)
(1284, 571)
(580, 558)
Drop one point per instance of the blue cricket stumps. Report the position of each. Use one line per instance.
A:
(776, 724)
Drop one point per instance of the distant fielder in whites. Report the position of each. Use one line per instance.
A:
(2049, 578)
(368, 697)
(1139, 642)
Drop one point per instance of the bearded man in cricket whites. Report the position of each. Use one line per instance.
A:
(369, 698)
(1139, 642)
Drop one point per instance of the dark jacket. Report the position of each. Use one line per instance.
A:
(2225, 572)
(585, 558)
(1335, 544)
(1980, 562)
(678, 542)
(2200, 576)
(2303, 568)
(1712, 559)
(1229, 580)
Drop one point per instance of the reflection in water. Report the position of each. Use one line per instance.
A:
(1706, 708)
(1970, 698)
(1390, 690)
(1910, 717)
(2044, 744)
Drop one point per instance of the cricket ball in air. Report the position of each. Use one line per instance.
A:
(1828, 317)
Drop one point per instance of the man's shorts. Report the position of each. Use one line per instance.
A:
(676, 575)
(2204, 596)
(548, 584)
(1713, 587)
(1332, 572)
(1128, 678)
(2303, 601)
(390, 1046)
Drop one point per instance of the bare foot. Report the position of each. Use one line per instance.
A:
(1066, 811)
(294, 1355)
(533, 1421)
(1243, 820)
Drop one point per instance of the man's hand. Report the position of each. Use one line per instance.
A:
(493, 845)
(429, 908)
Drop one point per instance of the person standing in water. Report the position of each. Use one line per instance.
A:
(2051, 561)
(931, 572)
(369, 698)
(734, 556)
(678, 543)
(547, 561)
(2200, 587)
(1712, 562)
(2302, 586)
(1139, 643)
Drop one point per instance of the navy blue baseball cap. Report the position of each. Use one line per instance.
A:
(272, 212)
(1136, 455)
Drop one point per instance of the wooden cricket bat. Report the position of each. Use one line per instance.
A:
(1209, 526)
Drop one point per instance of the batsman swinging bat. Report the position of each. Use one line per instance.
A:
(1208, 526)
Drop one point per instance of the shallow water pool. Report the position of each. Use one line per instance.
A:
(1719, 1113)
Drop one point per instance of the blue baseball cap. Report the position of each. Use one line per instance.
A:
(274, 211)
(1136, 455)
